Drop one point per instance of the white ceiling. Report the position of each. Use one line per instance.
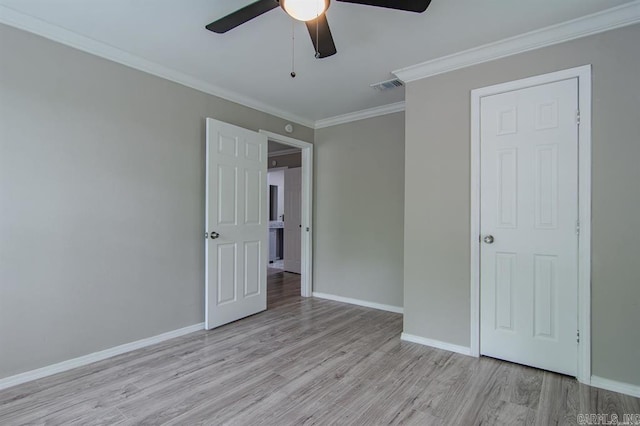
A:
(253, 61)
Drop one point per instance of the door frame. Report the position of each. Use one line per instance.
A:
(306, 278)
(583, 74)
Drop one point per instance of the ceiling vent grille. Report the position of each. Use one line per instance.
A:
(388, 84)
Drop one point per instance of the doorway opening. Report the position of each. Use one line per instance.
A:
(288, 193)
(237, 221)
(285, 222)
(284, 177)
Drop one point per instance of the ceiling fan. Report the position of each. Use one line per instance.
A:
(312, 12)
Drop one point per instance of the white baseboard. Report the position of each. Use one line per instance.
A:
(383, 307)
(436, 344)
(50, 370)
(598, 382)
(615, 386)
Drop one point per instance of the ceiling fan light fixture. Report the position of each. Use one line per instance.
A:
(304, 10)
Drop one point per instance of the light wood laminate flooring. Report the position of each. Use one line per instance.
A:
(304, 361)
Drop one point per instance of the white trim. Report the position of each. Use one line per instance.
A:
(360, 115)
(615, 386)
(474, 291)
(286, 140)
(351, 301)
(584, 212)
(50, 370)
(438, 344)
(583, 74)
(284, 152)
(306, 279)
(53, 32)
(616, 17)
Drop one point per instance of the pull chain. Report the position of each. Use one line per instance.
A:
(293, 49)
(317, 36)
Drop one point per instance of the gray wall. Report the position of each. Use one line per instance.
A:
(101, 201)
(436, 291)
(288, 160)
(358, 209)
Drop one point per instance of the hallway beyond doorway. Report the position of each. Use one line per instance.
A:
(282, 288)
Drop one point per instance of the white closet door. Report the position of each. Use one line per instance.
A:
(529, 213)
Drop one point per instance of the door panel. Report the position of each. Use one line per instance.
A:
(507, 188)
(252, 271)
(253, 196)
(529, 204)
(505, 277)
(226, 279)
(236, 209)
(227, 192)
(546, 190)
(545, 299)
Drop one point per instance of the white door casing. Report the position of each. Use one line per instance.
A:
(306, 278)
(236, 223)
(292, 219)
(529, 206)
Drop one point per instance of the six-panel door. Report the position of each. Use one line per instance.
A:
(529, 207)
(236, 223)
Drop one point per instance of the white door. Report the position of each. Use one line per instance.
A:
(528, 223)
(292, 219)
(236, 223)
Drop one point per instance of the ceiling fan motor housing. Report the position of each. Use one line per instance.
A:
(304, 10)
(312, 12)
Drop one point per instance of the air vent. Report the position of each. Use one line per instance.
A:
(388, 84)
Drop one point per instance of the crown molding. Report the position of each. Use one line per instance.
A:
(360, 115)
(616, 17)
(58, 34)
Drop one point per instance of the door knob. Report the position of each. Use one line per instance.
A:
(214, 235)
(488, 239)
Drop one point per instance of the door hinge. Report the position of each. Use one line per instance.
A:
(578, 116)
(577, 227)
(578, 336)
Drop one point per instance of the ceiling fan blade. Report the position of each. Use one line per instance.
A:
(408, 5)
(241, 16)
(321, 37)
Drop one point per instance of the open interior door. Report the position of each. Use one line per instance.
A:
(236, 231)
